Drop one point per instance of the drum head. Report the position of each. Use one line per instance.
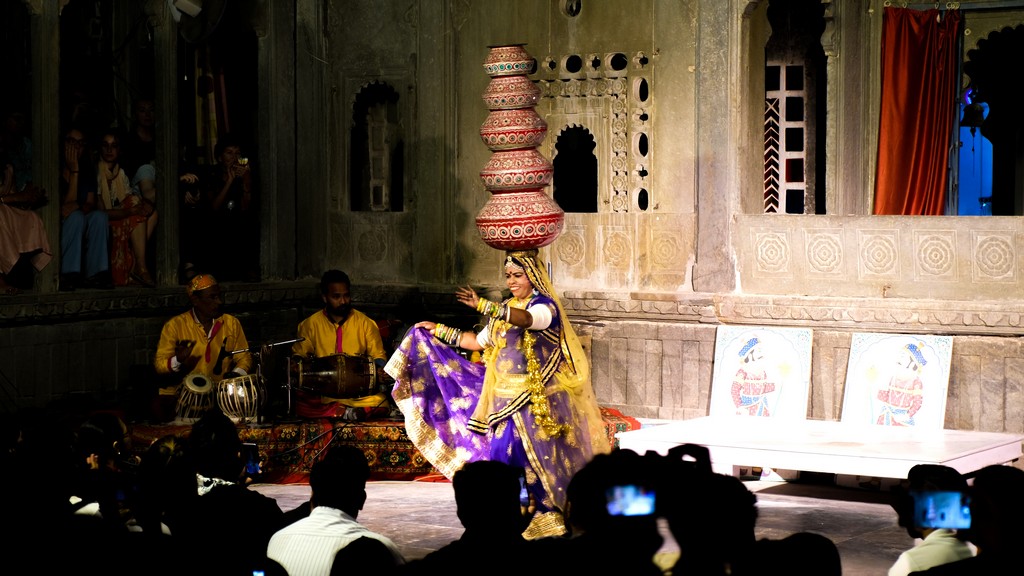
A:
(198, 383)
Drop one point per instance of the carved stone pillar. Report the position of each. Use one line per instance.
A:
(45, 26)
(311, 69)
(717, 196)
(274, 24)
(165, 90)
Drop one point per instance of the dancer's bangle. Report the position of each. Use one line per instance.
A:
(508, 314)
(488, 308)
(448, 334)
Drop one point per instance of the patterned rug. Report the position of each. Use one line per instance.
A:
(289, 449)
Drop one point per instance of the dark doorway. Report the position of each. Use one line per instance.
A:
(993, 71)
(575, 180)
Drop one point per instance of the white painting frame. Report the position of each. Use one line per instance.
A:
(898, 380)
(749, 359)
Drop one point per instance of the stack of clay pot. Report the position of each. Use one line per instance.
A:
(519, 215)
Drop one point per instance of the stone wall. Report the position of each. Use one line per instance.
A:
(653, 356)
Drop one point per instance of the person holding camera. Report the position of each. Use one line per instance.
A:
(996, 507)
(227, 197)
(939, 544)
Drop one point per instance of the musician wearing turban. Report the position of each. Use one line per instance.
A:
(530, 403)
(201, 340)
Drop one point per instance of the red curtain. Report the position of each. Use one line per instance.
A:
(919, 84)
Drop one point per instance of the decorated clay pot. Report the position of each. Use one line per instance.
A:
(517, 170)
(509, 60)
(510, 92)
(513, 129)
(520, 220)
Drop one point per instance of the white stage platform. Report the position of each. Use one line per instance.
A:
(826, 446)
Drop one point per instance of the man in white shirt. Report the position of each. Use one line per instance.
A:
(308, 546)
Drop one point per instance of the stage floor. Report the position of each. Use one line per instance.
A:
(826, 446)
(420, 517)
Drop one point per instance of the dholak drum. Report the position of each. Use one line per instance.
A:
(338, 376)
(241, 398)
(195, 396)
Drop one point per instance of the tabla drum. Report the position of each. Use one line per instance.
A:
(241, 398)
(195, 396)
(338, 376)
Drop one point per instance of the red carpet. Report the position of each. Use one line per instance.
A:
(289, 449)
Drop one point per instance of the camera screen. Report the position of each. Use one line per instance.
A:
(630, 500)
(524, 494)
(942, 510)
(251, 457)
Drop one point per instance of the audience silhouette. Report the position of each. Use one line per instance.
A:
(599, 542)
(711, 516)
(799, 554)
(309, 546)
(939, 545)
(185, 507)
(997, 505)
(487, 502)
(228, 524)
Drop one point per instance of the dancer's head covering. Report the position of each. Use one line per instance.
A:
(527, 261)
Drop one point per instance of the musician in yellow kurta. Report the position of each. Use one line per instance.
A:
(200, 341)
(338, 329)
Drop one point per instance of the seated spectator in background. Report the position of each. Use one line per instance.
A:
(228, 522)
(144, 186)
(138, 159)
(939, 545)
(84, 231)
(139, 142)
(128, 213)
(232, 248)
(997, 507)
(309, 546)
(22, 234)
(487, 500)
(16, 147)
